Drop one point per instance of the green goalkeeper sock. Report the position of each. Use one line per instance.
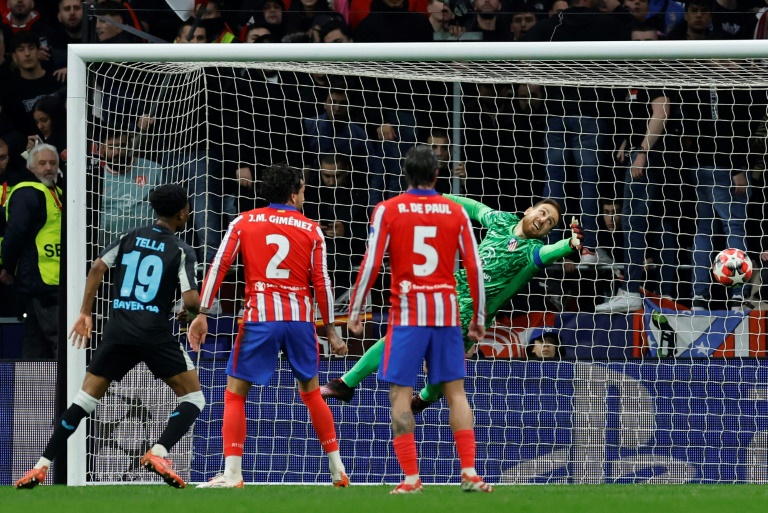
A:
(431, 393)
(367, 365)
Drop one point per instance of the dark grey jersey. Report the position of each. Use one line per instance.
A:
(149, 264)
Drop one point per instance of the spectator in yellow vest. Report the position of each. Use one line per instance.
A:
(31, 251)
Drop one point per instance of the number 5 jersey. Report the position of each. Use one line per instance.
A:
(422, 232)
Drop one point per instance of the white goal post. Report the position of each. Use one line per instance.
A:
(739, 63)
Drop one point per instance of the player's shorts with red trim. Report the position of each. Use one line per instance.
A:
(406, 347)
(258, 344)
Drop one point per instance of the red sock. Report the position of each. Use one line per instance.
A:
(465, 446)
(322, 419)
(405, 450)
(234, 428)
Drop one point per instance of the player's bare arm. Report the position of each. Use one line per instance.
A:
(197, 331)
(355, 325)
(191, 309)
(338, 346)
(476, 331)
(83, 327)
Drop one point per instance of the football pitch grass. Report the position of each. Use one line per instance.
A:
(365, 499)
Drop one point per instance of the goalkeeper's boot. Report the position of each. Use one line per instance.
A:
(337, 389)
(342, 481)
(32, 478)
(418, 404)
(163, 468)
(407, 488)
(219, 481)
(475, 484)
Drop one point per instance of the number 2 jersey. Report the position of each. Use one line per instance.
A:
(149, 264)
(284, 257)
(422, 231)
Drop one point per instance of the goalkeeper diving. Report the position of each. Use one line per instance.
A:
(512, 253)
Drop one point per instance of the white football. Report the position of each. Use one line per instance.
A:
(732, 267)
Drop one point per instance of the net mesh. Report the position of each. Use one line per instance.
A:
(648, 73)
(658, 393)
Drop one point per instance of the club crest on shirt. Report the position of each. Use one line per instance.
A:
(512, 244)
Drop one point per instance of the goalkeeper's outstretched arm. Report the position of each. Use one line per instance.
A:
(476, 210)
(550, 253)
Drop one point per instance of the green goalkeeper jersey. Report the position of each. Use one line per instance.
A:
(509, 261)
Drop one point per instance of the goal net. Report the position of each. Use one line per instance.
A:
(657, 148)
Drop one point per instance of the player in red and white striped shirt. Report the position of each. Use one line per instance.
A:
(283, 254)
(422, 231)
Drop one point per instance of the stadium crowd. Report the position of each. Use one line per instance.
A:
(634, 164)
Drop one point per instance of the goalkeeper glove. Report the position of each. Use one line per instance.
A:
(576, 234)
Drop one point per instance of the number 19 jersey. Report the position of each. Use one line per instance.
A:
(149, 264)
(421, 231)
